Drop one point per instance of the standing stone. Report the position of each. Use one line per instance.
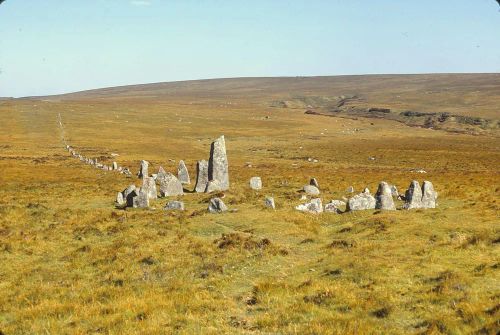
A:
(429, 196)
(269, 202)
(141, 200)
(218, 168)
(311, 190)
(115, 166)
(314, 183)
(174, 205)
(201, 176)
(315, 206)
(120, 201)
(216, 205)
(383, 197)
(334, 206)
(413, 196)
(128, 194)
(361, 202)
(255, 183)
(170, 185)
(149, 186)
(143, 170)
(182, 173)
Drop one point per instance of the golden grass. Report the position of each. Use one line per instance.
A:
(73, 264)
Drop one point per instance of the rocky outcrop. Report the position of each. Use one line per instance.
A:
(174, 205)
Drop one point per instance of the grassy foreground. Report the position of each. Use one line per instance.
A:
(73, 264)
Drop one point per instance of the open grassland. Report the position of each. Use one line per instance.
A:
(73, 264)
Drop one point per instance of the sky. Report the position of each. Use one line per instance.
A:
(58, 46)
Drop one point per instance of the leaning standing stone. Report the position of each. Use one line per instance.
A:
(216, 205)
(143, 170)
(429, 196)
(413, 196)
(149, 186)
(255, 183)
(182, 173)
(383, 197)
(170, 185)
(361, 202)
(269, 202)
(201, 176)
(218, 169)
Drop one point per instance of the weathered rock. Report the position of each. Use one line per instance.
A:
(429, 196)
(216, 205)
(182, 173)
(174, 205)
(361, 202)
(413, 196)
(383, 197)
(115, 166)
(143, 169)
(314, 182)
(213, 186)
(201, 176)
(141, 200)
(170, 185)
(311, 190)
(149, 186)
(218, 168)
(350, 189)
(255, 183)
(269, 202)
(315, 206)
(335, 206)
(129, 193)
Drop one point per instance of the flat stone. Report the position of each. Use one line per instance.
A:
(174, 205)
(360, 202)
(183, 174)
(201, 176)
(256, 183)
(216, 205)
(413, 196)
(311, 190)
(383, 197)
(429, 196)
(315, 206)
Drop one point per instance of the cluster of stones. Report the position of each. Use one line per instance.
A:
(211, 176)
(415, 197)
(93, 162)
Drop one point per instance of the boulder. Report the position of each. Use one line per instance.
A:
(335, 206)
(143, 169)
(255, 183)
(315, 206)
(149, 186)
(201, 176)
(429, 196)
(218, 167)
(269, 202)
(216, 205)
(170, 185)
(174, 205)
(361, 202)
(413, 196)
(128, 194)
(383, 197)
(183, 174)
(314, 182)
(141, 200)
(311, 190)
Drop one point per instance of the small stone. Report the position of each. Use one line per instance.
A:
(201, 176)
(213, 186)
(314, 182)
(120, 201)
(413, 196)
(174, 205)
(255, 183)
(350, 189)
(143, 169)
(314, 206)
(303, 197)
(311, 190)
(383, 197)
(216, 205)
(366, 190)
(115, 166)
(170, 185)
(183, 174)
(334, 206)
(429, 196)
(360, 202)
(269, 202)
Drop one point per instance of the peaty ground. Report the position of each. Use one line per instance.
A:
(73, 264)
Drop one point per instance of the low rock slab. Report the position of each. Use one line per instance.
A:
(315, 206)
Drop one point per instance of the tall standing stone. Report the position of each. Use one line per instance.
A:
(218, 169)
(182, 173)
(149, 186)
(201, 176)
(383, 197)
(413, 196)
(429, 196)
(143, 170)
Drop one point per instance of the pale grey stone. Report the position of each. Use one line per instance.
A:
(129, 193)
(383, 197)
(315, 206)
(255, 183)
(201, 176)
(170, 185)
(360, 202)
(269, 202)
(429, 196)
(413, 196)
(218, 167)
(141, 200)
(314, 182)
(149, 186)
(216, 205)
(143, 169)
(120, 200)
(115, 166)
(213, 186)
(183, 174)
(394, 191)
(335, 206)
(174, 205)
(311, 190)
(350, 189)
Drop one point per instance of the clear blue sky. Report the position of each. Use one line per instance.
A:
(56, 46)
